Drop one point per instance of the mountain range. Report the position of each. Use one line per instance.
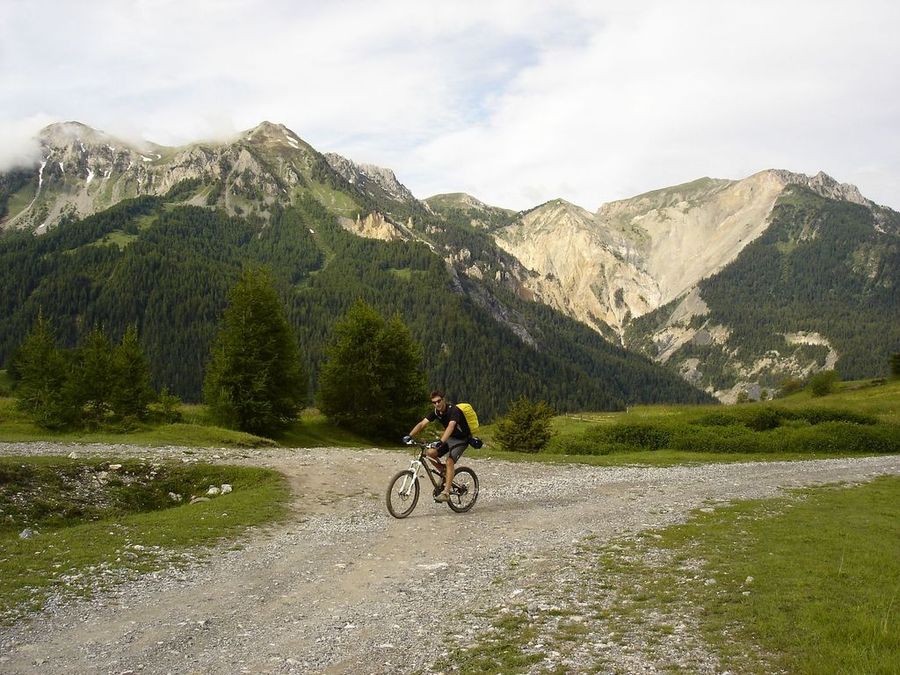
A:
(732, 285)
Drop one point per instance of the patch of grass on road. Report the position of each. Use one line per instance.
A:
(93, 520)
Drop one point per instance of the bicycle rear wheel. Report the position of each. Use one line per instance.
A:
(464, 491)
(402, 494)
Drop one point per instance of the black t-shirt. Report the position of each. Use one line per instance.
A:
(451, 414)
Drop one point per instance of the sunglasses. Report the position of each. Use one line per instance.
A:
(436, 401)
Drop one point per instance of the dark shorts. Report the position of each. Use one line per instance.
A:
(456, 447)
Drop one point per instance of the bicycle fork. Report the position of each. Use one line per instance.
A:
(409, 480)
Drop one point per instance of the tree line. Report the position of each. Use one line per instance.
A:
(97, 384)
(373, 381)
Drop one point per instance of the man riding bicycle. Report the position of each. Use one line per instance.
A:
(454, 440)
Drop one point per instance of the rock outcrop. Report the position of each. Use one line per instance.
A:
(373, 180)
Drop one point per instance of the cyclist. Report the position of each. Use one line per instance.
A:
(454, 440)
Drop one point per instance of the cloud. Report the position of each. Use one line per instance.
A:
(685, 91)
(516, 102)
(18, 141)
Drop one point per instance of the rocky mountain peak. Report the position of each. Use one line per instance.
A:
(457, 200)
(370, 178)
(63, 136)
(822, 184)
(269, 133)
(558, 214)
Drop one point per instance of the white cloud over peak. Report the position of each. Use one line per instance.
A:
(515, 102)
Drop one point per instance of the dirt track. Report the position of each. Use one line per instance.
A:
(343, 587)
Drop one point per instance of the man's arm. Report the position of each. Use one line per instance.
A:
(448, 431)
(421, 425)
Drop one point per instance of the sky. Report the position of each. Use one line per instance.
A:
(514, 102)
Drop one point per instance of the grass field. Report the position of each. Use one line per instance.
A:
(195, 430)
(803, 584)
(860, 418)
(827, 602)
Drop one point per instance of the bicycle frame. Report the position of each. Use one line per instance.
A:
(418, 464)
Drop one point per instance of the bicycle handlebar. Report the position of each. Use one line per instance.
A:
(412, 442)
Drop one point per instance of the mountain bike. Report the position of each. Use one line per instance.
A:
(403, 490)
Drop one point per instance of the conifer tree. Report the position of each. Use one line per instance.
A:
(255, 381)
(373, 382)
(526, 426)
(41, 371)
(131, 393)
(93, 377)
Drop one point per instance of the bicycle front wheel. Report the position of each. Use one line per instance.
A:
(464, 491)
(402, 494)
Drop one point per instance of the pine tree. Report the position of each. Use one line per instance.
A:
(373, 382)
(94, 377)
(131, 393)
(42, 372)
(255, 381)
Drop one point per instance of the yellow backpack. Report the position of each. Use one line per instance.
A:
(471, 417)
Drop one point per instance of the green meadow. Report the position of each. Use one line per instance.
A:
(826, 601)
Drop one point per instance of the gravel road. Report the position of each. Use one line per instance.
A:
(341, 587)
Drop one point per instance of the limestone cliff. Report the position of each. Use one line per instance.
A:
(635, 255)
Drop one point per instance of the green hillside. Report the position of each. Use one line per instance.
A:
(820, 267)
(167, 267)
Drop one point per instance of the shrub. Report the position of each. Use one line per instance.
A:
(526, 426)
(820, 415)
(724, 439)
(167, 408)
(823, 383)
(846, 437)
(639, 436)
(577, 445)
(763, 419)
(790, 385)
(716, 419)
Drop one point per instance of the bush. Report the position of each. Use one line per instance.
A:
(790, 385)
(846, 437)
(166, 409)
(727, 439)
(716, 419)
(639, 436)
(763, 419)
(820, 415)
(526, 427)
(823, 383)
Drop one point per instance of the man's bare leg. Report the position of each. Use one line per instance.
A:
(448, 479)
(433, 456)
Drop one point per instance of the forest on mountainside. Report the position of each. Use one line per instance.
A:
(167, 269)
(821, 267)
